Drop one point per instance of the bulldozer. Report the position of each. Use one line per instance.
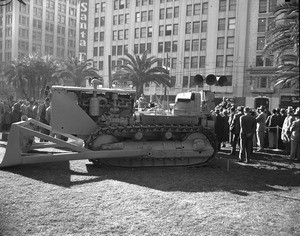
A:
(103, 126)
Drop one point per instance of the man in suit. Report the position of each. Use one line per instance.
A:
(248, 125)
(261, 128)
(235, 128)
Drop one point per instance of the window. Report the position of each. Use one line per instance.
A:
(137, 17)
(72, 11)
(231, 23)
(219, 61)
(149, 47)
(232, 5)
(260, 43)
(136, 49)
(205, 8)
(95, 52)
(97, 7)
(115, 35)
(174, 63)
(197, 9)
(203, 44)
(161, 30)
(144, 16)
(220, 43)
(204, 26)
(271, 23)
(169, 13)
(185, 81)
(121, 19)
(100, 65)
(174, 46)
(229, 60)
(167, 46)
(61, 19)
(262, 82)
(168, 30)
(102, 21)
(61, 7)
(230, 42)
(162, 14)
(120, 34)
(194, 62)
(103, 6)
(196, 27)
(186, 63)
(272, 5)
(176, 12)
(136, 33)
(96, 22)
(261, 25)
(221, 24)
(143, 32)
(188, 27)
(259, 61)
(195, 44)
(175, 29)
(262, 6)
(101, 51)
(149, 34)
(189, 10)
(173, 81)
(202, 62)
(120, 50)
(96, 37)
(126, 33)
(222, 5)
(150, 15)
(49, 15)
(187, 45)
(114, 50)
(125, 49)
(160, 47)
(101, 36)
(270, 61)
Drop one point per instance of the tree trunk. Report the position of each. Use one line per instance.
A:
(139, 90)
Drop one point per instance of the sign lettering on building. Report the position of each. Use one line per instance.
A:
(83, 29)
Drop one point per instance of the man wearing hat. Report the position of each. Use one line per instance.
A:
(235, 128)
(261, 128)
(285, 133)
(248, 125)
(295, 136)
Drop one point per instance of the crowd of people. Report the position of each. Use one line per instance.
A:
(247, 128)
(11, 112)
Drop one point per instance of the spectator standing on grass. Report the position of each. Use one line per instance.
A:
(295, 136)
(16, 113)
(226, 128)
(261, 128)
(219, 127)
(248, 125)
(41, 116)
(231, 115)
(281, 118)
(272, 122)
(285, 134)
(235, 128)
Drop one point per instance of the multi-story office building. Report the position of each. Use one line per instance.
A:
(221, 37)
(47, 27)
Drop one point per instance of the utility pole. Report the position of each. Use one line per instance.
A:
(109, 71)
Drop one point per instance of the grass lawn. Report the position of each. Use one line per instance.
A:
(76, 198)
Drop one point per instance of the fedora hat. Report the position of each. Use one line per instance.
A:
(290, 110)
(297, 112)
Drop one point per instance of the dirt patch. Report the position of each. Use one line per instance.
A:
(224, 197)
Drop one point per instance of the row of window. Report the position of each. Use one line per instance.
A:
(267, 6)
(140, 16)
(199, 62)
(264, 24)
(168, 13)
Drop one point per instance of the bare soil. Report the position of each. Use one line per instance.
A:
(222, 198)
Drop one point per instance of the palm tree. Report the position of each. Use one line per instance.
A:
(138, 69)
(283, 38)
(14, 72)
(76, 70)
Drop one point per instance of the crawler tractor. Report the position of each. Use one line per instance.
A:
(103, 126)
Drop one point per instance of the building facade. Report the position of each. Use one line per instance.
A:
(220, 37)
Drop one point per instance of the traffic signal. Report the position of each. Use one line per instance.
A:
(222, 80)
(198, 79)
(211, 79)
